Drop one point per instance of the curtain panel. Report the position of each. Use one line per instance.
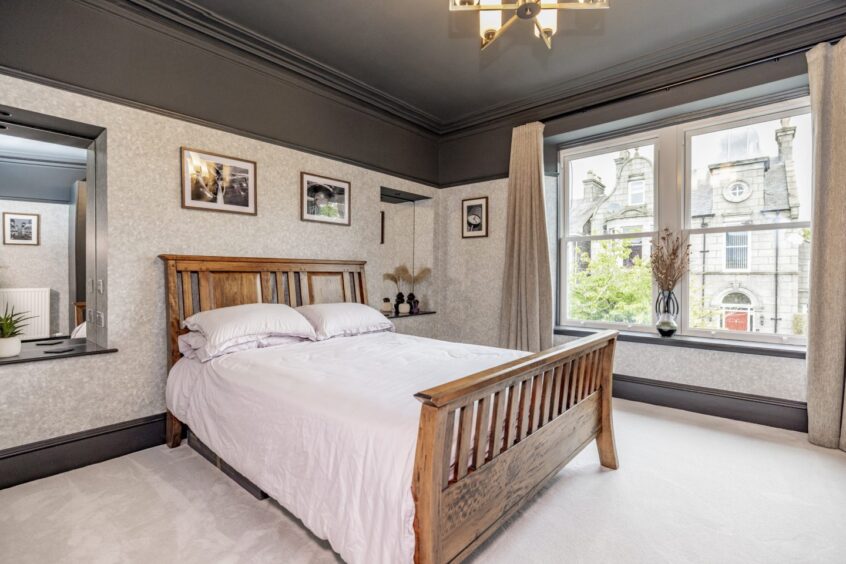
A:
(526, 318)
(827, 309)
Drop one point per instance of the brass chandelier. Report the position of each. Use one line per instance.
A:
(543, 14)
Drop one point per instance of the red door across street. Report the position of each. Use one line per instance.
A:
(737, 321)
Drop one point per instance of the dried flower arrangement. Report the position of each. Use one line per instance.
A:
(670, 260)
(402, 275)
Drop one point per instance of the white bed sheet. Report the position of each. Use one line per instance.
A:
(328, 429)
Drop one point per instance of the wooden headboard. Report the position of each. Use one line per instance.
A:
(198, 283)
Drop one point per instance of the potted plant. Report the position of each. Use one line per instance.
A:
(670, 260)
(11, 325)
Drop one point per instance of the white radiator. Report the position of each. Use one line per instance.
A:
(35, 302)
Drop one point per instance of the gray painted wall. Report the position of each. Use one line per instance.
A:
(22, 179)
(95, 50)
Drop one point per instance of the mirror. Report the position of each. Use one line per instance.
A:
(52, 209)
(407, 228)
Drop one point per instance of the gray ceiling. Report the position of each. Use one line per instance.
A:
(429, 58)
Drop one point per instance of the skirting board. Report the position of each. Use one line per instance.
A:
(53, 456)
(784, 414)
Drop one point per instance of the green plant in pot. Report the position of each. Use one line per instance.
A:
(11, 328)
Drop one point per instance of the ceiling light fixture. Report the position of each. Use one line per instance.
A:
(544, 15)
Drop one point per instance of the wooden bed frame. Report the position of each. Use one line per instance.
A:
(511, 428)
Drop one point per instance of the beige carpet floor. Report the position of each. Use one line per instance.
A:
(691, 488)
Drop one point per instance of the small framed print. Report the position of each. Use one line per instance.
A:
(325, 200)
(21, 228)
(217, 183)
(474, 217)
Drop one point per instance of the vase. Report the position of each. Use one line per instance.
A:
(666, 311)
(399, 301)
(404, 308)
(387, 307)
(10, 346)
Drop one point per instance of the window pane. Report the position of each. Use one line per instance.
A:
(753, 282)
(752, 175)
(612, 191)
(610, 281)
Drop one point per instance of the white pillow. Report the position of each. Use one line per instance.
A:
(344, 319)
(193, 345)
(229, 326)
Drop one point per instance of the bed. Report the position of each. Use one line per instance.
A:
(340, 433)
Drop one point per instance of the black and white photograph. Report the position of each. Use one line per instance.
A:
(21, 228)
(325, 200)
(218, 183)
(474, 218)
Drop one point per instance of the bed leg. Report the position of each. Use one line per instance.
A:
(605, 438)
(173, 431)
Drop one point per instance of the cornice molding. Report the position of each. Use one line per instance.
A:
(195, 22)
(790, 29)
(796, 27)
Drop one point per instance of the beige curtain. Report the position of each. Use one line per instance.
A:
(827, 311)
(526, 319)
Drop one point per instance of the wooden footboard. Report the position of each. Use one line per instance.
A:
(488, 442)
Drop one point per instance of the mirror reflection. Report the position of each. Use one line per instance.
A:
(43, 202)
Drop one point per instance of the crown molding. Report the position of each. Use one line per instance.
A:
(799, 26)
(786, 31)
(208, 30)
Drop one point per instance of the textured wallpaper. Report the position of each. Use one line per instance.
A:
(146, 219)
(44, 265)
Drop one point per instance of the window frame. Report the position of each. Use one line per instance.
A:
(672, 201)
(586, 151)
(642, 192)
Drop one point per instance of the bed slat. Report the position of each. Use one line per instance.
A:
(465, 428)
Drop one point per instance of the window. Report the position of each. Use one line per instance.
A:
(744, 203)
(636, 192)
(736, 192)
(737, 251)
(609, 227)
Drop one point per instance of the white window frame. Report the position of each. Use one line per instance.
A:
(585, 151)
(672, 201)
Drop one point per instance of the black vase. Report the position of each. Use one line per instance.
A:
(400, 300)
(666, 311)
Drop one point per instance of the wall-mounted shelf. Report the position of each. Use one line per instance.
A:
(404, 315)
(394, 196)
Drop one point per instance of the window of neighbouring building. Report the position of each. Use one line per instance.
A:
(745, 205)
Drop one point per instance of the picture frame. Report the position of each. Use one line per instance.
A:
(325, 200)
(214, 182)
(474, 218)
(21, 228)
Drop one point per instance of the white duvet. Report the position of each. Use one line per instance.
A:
(328, 429)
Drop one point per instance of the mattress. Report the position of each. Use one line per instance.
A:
(328, 429)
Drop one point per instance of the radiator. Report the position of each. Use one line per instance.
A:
(35, 302)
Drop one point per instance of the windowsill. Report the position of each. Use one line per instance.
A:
(51, 349)
(704, 343)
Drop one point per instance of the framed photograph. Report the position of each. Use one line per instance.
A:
(325, 200)
(218, 183)
(21, 228)
(474, 217)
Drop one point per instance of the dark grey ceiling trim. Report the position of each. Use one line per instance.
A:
(207, 30)
(205, 123)
(799, 26)
(42, 162)
(689, 116)
(793, 30)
